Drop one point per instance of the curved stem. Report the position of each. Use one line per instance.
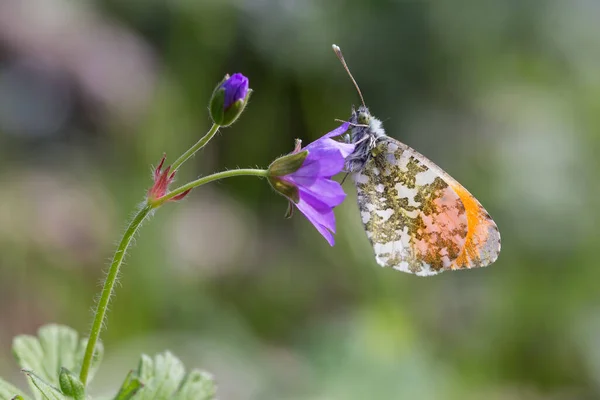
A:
(107, 289)
(210, 178)
(192, 150)
(117, 261)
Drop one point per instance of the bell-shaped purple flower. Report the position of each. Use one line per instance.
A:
(304, 177)
(229, 99)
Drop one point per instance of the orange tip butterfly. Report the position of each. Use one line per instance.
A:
(418, 218)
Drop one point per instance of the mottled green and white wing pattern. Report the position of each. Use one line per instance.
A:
(418, 218)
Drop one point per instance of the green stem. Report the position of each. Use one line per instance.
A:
(210, 178)
(113, 272)
(109, 283)
(192, 150)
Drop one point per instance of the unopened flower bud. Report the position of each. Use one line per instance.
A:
(229, 99)
(71, 385)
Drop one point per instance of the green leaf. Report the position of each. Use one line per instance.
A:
(55, 347)
(164, 377)
(9, 392)
(197, 385)
(42, 388)
(160, 376)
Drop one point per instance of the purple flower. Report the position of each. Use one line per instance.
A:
(229, 99)
(236, 88)
(304, 177)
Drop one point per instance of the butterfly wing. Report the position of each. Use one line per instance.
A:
(417, 217)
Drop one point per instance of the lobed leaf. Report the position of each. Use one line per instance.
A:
(42, 389)
(56, 347)
(164, 377)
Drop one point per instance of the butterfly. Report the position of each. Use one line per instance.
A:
(418, 218)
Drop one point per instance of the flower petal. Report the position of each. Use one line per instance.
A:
(316, 211)
(328, 191)
(236, 88)
(330, 164)
(314, 217)
(345, 149)
(325, 158)
(337, 131)
(325, 233)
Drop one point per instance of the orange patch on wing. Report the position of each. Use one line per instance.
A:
(443, 231)
(477, 234)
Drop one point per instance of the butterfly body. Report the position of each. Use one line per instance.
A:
(416, 216)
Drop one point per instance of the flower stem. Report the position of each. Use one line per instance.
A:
(107, 289)
(210, 178)
(117, 261)
(192, 150)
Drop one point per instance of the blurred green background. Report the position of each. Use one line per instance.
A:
(504, 95)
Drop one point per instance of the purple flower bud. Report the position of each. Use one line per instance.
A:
(236, 88)
(229, 99)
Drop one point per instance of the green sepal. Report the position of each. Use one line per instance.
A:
(42, 389)
(287, 164)
(285, 188)
(70, 384)
(216, 106)
(234, 111)
(290, 210)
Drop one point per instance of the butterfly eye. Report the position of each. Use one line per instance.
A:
(364, 118)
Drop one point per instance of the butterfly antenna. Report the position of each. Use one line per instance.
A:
(338, 53)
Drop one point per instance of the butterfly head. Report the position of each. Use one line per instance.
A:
(364, 132)
(360, 122)
(362, 116)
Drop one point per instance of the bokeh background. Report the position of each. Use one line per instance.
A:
(505, 96)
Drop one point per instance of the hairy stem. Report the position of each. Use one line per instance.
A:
(192, 150)
(117, 261)
(107, 289)
(210, 178)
